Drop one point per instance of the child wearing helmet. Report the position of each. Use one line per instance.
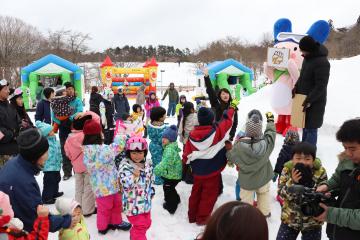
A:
(136, 179)
(99, 161)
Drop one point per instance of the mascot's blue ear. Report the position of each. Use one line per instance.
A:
(282, 25)
(319, 31)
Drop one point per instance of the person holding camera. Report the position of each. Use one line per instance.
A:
(306, 170)
(344, 218)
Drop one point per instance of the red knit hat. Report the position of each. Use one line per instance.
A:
(92, 127)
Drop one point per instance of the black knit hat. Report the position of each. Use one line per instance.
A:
(205, 116)
(78, 124)
(32, 145)
(308, 44)
(68, 85)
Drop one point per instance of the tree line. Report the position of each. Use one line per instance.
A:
(22, 43)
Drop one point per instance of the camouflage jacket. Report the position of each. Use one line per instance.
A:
(290, 212)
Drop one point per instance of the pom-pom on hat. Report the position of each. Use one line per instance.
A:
(170, 133)
(205, 116)
(92, 127)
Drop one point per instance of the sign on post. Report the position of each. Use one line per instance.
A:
(297, 114)
(278, 57)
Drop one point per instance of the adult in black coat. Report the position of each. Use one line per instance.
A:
(313, 80)
(17, 179)
(95, 100)
(121, 102)
(43, 109)
(10, 124)
(220, 102)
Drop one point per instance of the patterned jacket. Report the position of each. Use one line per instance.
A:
(100, 164)
(290, 213)
(137, 191)
(170, 166)
(155, 147)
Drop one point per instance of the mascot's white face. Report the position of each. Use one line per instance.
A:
(295, 52)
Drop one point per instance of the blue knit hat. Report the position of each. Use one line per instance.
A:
(205, 116)
(170, 133)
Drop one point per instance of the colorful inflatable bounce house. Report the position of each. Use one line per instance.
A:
(115, 77)
(50, 71)
(232, 75)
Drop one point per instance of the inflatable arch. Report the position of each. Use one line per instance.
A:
(114, 77)
(232, 75)
(53, 67)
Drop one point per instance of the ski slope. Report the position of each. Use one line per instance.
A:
(341, 105)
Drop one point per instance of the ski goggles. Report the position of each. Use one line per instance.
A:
(3, 82)
(136, 146)
(285, 36)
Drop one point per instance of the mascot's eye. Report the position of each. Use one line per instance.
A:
(295, 48)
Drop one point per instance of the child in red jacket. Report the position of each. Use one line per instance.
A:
(11, 228)
(205, 152)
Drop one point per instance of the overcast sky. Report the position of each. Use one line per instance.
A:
(182, 23)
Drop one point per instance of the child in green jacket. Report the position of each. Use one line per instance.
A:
(79, 230)
(170, 169)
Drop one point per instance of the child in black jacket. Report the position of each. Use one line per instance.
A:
(285, 155)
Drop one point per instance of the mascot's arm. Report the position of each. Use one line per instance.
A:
(269, 71)
(293, 71)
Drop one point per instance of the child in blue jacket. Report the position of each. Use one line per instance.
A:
(155, 130)
(52, 166)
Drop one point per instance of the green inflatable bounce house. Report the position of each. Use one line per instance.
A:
(232, 75)
(50, 71)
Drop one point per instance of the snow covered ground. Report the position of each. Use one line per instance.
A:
(342, 105)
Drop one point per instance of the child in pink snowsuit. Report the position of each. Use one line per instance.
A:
(99, 161)
(136, 178)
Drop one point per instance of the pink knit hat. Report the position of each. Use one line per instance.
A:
(5, 205)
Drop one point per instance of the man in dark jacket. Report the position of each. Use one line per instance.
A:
(121, 102)
(43, 110)
(95, 100)
(173, 99)
(10, 123)
(313, 80)
(344, 218)
(17, 179)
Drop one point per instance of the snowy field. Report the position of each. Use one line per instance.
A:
(342, 104)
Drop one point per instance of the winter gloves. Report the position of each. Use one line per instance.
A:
(234, 103)
(269, 117)
(306, 105)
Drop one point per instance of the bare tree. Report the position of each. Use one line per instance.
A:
(18, 43)
(77, 44)
(57, 40)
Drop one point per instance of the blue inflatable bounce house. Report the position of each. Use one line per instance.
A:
(232, 75)
(50, 71)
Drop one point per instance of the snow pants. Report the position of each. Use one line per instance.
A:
(109, 210)
(140, 224)
(263, 198)
(204, 194)
(83, 193)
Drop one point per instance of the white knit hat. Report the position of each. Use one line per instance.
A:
(16, 223)
(66, 205)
